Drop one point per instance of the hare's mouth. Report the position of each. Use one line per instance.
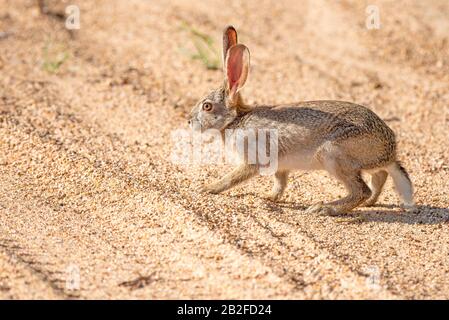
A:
(195, 124)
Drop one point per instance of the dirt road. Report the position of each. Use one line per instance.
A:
(88, 191)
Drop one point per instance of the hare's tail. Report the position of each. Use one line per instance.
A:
(402, 182)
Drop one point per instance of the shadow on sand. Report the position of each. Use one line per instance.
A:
(422, 214)
(386, 213)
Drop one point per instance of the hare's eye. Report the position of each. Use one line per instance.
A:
(207, 106)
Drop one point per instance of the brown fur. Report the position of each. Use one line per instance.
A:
(342, 138)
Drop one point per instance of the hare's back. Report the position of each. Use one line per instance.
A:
(305, 126)
(326, 118)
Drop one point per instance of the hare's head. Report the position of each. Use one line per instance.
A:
(220, 107)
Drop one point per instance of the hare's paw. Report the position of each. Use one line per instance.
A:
(272, 196)
(370, 202)
(410, 208)
(322, 209)
(212, 188)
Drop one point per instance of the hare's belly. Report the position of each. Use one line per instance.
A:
(299, 161)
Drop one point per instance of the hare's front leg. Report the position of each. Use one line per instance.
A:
(236, 176)
(280, 183)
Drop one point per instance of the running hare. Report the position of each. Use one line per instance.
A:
(343, 138)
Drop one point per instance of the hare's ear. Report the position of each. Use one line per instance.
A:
(237, 68)
(229, 40)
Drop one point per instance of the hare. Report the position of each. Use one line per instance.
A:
(342, 138)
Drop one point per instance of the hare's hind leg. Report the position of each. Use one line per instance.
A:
(280, 183)
(376, 184)
(358, 192)
(345, 170)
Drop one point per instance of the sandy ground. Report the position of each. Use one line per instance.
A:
(87, 186)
